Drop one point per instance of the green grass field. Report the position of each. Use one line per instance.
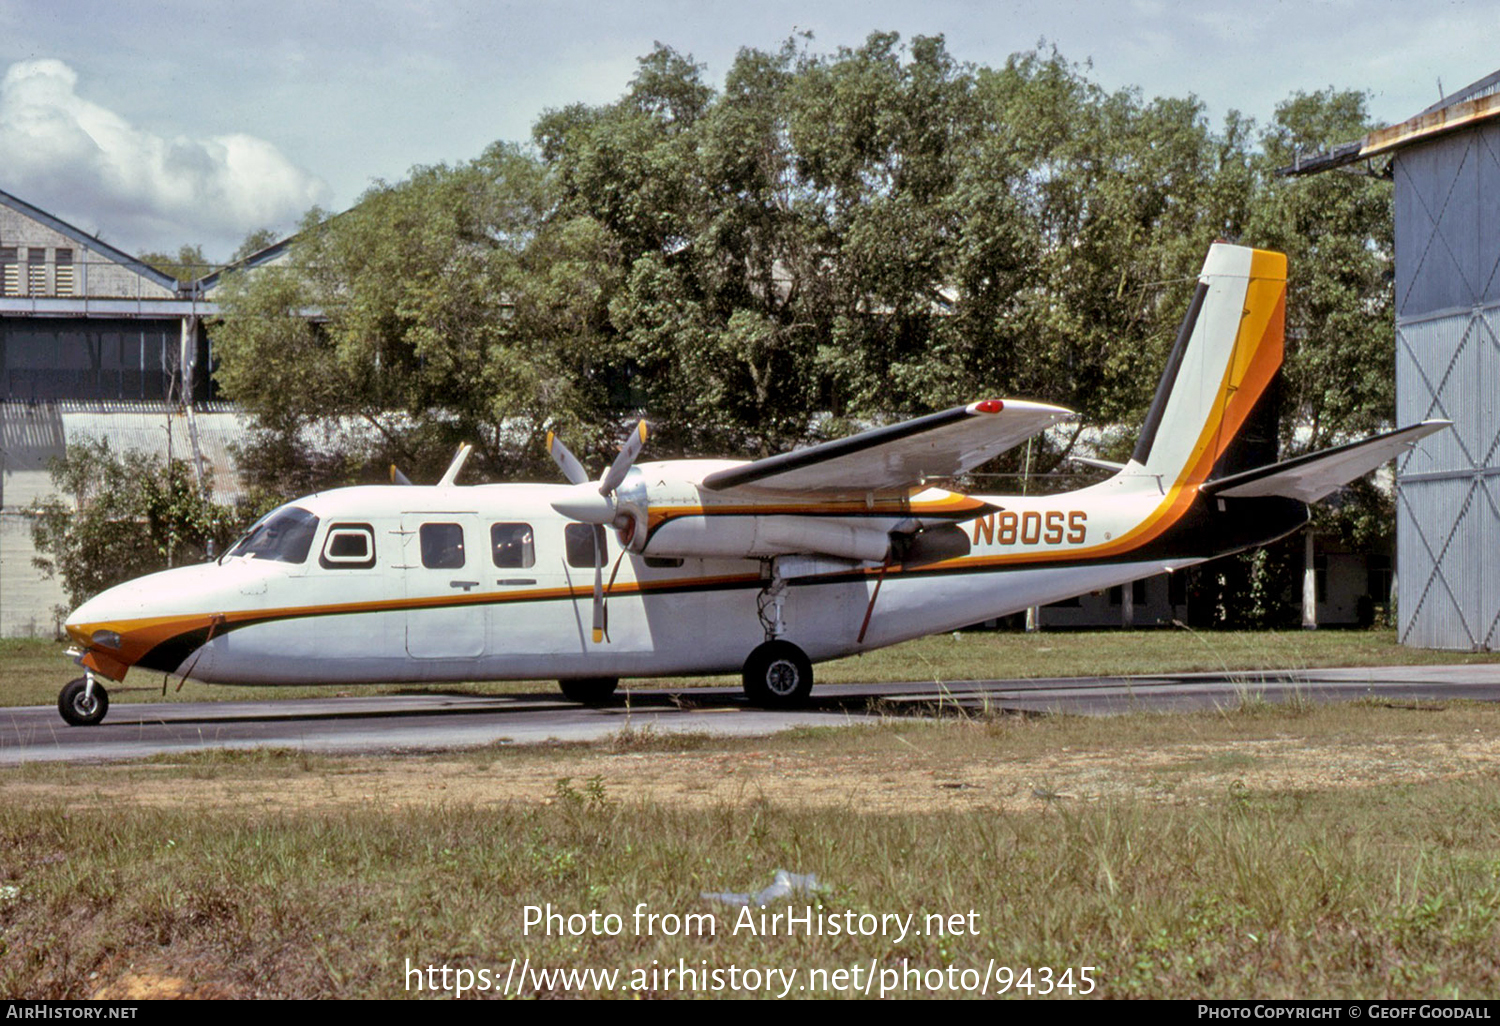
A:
(32, 672)
(1349, 851)
(1260, 851)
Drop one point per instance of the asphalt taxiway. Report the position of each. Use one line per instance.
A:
(443, 721)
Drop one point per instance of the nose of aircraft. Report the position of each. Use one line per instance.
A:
(150, 620)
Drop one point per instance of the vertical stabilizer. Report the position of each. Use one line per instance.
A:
(1215, 408)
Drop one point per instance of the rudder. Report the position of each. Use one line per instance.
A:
(1215, 409)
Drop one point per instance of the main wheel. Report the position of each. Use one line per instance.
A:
(589, 690)
(79, 708)
(778, 675)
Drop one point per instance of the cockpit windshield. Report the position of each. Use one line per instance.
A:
(284, 535)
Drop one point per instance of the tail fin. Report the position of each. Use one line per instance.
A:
(1215, 409)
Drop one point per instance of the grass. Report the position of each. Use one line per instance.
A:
(32, 672)
(1226, 854)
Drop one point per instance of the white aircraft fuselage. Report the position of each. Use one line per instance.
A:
(253, 620)
(713, 566)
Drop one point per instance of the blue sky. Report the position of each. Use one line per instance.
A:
(195, 122)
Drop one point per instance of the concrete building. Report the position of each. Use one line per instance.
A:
(93, 343)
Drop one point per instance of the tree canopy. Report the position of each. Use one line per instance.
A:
(828, 239)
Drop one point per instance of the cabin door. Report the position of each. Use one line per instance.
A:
(445, 575)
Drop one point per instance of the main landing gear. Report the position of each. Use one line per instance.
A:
(777, 674)
(589, 690)
(83, 702)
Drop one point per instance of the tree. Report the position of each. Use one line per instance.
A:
(188, 265)
(130, 514)
(442, 318)
(828, 241)
(254, 242)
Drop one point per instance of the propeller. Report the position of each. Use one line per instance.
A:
(591, 503)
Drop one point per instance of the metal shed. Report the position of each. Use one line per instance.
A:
(1446, 166)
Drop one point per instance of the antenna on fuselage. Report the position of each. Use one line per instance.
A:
(459, 459)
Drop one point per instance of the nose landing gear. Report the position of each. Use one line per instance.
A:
(83, 702)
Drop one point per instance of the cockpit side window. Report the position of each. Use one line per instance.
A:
(348, 547)
(442, 546)
(512, 545)
(284, 536)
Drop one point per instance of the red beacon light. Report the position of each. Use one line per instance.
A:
(989, 406)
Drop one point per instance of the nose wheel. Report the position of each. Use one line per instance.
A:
(778, 675)
(83, 702)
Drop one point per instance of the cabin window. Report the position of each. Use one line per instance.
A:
(349, 547)
(579, 539)
(663, 562)
(511, 545)
(284, 535)
(442, 546)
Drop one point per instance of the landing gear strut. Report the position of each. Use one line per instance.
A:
(83, 702)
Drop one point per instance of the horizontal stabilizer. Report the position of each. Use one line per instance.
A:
(1311, 477)
(904, 455)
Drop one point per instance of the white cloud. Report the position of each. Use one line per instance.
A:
(71, 156)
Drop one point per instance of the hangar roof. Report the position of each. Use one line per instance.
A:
(1470, 105)
(88, 241)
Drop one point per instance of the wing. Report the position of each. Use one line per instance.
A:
(1315, 475)
(899, 456)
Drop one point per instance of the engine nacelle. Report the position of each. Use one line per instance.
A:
(671, 517)
(755, 537)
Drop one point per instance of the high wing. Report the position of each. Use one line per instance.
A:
(901, 455)
(1317, 474)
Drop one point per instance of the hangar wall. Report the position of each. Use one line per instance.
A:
(1448, 366)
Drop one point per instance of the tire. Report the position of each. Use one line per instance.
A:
(589, 690)
(778, 675)
(78, 710)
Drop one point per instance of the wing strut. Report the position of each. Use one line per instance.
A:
(869, 609)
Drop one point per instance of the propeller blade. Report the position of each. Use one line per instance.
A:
(628, 452)
(601, 625)
(398, 478)
(566, 461)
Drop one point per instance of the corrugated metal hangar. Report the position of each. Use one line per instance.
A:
(1446, 166)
